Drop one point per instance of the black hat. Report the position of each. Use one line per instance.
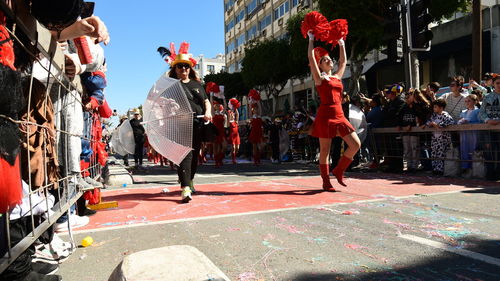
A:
(57, 14)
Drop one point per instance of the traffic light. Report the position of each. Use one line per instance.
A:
(393, 36)
(420, 19)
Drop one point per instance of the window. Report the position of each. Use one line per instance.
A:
(295, 3)
(252, 32)
(231, 68)
(265, 22)
(211, 68)
(197, 67)
(228, 5)
(281, 10)
(230, 47)
(240, 16)
(229, 25)
(240, 40)
(251, 7)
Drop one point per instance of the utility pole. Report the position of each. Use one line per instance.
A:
(407, 57)
(477, 40)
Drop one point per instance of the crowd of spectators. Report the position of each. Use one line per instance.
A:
(287, 138)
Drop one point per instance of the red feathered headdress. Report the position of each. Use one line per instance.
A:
(182, 57)
(319, 53)
(211, 87)
(329, 32)
(254, 96)
(234, 104)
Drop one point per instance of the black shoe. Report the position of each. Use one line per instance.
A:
(44, 268)
(87, 212)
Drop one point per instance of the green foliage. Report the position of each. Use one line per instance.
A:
(443, 9)
(266, 65)
(233, 83)
(298, 45)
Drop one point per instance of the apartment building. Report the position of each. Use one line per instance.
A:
(246, 20)
(209, 65)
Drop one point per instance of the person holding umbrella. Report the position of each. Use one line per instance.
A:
(182, 68)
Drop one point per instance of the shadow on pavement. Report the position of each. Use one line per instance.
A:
(447, 267)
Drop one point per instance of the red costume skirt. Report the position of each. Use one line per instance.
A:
(330, 123)
(256, 133)
(234, 136)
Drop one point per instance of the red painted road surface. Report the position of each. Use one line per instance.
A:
(146, 205)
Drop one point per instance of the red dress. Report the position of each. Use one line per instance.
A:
(330, 117)
(219, 123)
(234, 135)
(256, 133)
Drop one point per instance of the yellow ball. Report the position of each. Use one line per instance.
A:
(87, 241)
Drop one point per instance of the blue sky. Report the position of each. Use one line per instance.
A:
(137, 29)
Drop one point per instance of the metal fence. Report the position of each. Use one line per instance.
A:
(56, 181)
(452, 150)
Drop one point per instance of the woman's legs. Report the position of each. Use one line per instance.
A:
(353, 145)
(256, 153)
(324, 159)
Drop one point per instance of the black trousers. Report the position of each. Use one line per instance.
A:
(188, 167)
(275, 146)
(21, 267)
(138, 152)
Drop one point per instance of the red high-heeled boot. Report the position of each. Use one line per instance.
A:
(233, 155)
(325, 175)
(338, 171)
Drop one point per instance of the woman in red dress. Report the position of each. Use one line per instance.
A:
(234, 136)
(256, 131)
(219, 120)
(330, 120)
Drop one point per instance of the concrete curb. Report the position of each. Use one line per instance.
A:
(176, 263)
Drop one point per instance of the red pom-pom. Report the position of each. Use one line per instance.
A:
(319, 25)
(254, 95)
(338, 30)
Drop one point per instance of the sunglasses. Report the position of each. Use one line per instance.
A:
(182, 65)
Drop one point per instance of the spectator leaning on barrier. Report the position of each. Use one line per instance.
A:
(432, 89)
(488, 82)
(490, 114)
(440, 140)
(455, 99)
(468, 139)
(408, 119)
(393, 145)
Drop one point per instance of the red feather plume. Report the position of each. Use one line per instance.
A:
(184, 49)
(338, 30)
(319, 25)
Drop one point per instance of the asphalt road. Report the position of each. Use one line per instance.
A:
(442, 236)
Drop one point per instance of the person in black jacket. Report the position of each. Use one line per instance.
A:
(139, 138)
(408, 120)
(393, 144)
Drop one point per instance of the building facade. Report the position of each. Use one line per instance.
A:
(209, 65)
(247, 20)
(451, 54)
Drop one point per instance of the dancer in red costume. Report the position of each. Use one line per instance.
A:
(256, 132)
(219, 120)
(234, 136)
(330, 121)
